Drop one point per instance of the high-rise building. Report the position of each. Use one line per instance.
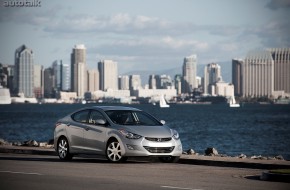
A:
(78, 70)
(189, 73)
(24, 65)
(135, 82)
(38, 81)
(49, 83)
(281, 57)
(178, 79)
(93, 80)
(124, 82)
(212, 74)
(65, 78)
(258, 74)
(57, 71)
(237, 76)
(108, 70)
(152, 82)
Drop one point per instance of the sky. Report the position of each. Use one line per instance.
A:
(143, 35)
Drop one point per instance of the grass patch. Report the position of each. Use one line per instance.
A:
(280, 171)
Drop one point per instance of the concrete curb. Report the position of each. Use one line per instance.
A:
(185, 159)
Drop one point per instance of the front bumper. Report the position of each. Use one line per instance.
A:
(144, 147)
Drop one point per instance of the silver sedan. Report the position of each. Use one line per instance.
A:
(116, 132)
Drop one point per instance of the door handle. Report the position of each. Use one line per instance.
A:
(68, 124)
(87, 128)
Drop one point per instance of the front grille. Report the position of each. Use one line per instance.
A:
(159, 149)
(158, 139)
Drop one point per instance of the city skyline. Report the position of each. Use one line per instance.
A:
(139, 35)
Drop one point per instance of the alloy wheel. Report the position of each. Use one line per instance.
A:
(114, 151)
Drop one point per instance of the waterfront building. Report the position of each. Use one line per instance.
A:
(165, 81)
(57, 71)
(212, 74)
(177, 83)
(237, 76)
(49, 83)
(258, 74)
(65, 78)
(108, 71)
(281, 57)
(155, 94)
(222, 88)
(135, 82)
(124, 82)
(189, 73)
(24, 61)
(78, 70)
(152, 82)
(93, 80)
(38, 81)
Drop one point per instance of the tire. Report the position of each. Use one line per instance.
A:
(63, 149)
(169, 159)
(113, 152)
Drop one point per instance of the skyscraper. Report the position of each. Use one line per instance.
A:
(258, 74)
(78, 70)
(189, 73)
(135, 82)
(237, 76)
(212, 74)
(93, 80)
(24, 65)
(38, 81)
(281, 57)
(124, 82)
(65, 78)
(108, 70)
(57, 71)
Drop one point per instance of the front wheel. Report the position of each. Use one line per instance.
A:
(113, 152)
(63, 149)
(169, 159)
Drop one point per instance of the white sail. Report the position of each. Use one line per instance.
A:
(233, 102)
(162, 102)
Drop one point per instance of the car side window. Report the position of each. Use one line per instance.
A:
(81, 116)
(95, 115)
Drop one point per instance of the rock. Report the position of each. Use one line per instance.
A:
(30, 143)
(190, 152)
(17, 143)
(42, 144)
(2, 142)
(211, 152)
(279, 157)
(242, 156)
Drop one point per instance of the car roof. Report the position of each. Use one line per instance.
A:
(107, 108)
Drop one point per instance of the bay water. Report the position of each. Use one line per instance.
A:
(252, 129)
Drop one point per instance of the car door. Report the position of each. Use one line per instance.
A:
(95, 135)
(76, 130)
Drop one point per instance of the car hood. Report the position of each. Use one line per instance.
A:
(150, 131)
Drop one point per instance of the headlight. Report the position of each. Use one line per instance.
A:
(129, 135)
(175, 134)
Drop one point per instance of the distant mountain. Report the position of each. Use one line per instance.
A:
(226, 69)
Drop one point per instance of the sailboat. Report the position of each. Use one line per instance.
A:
(162, 102)
(233, 103)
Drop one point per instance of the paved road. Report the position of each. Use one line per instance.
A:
(35, 172)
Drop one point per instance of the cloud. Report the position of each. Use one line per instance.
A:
(278, 4)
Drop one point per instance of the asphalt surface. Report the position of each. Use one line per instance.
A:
(46, 172)
(185, 159)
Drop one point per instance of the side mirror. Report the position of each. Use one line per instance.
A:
(162, 122)
(101, 122)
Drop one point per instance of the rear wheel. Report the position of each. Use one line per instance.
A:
(113, 152)
(63, 149)
(169, 159)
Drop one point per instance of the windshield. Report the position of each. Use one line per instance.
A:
(128, 117)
